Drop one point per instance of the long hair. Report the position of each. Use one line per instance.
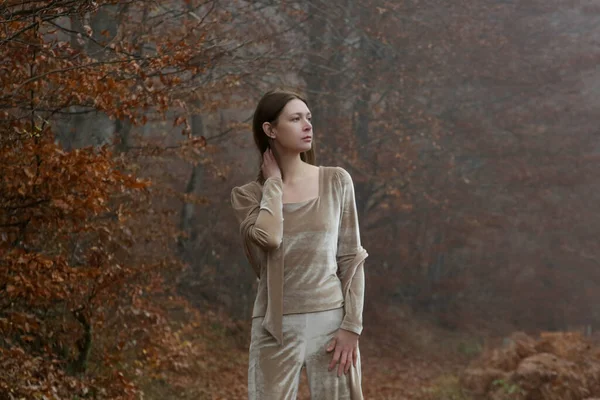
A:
(268, 110)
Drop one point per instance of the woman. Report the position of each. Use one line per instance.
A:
(300, 232)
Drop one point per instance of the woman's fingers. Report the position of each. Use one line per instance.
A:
(343, 357)
(335, 359)
(349, 362)
(343, 362)
(268, 158)
(269, 166)
(331, 345)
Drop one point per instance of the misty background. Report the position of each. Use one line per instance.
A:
(470, 130)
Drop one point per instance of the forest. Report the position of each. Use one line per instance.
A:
(470, 130)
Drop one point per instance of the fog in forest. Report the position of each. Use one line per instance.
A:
(470, 130)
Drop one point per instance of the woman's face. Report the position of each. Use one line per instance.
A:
(293, 129)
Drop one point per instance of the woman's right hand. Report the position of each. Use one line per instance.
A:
(269, 166)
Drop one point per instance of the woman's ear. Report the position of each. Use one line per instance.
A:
(268, 130)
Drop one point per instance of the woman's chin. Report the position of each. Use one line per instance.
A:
(305, 147)
(299, 149)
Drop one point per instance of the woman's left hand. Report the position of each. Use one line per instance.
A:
(345, 347)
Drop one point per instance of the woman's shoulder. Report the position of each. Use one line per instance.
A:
(338, 174)
(250, 189)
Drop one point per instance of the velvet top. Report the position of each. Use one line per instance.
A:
(307, 255)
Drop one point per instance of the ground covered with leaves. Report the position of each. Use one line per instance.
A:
(553, 366)
(423, 362)
(413, 360)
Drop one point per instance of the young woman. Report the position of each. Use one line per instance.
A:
(300, 233)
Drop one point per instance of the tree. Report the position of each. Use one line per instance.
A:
(89, 254)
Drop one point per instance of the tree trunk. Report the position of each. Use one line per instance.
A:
(84, 344)
(313, 73)
(186, 225)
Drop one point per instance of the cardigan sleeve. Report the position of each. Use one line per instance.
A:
(260, 213)
(350, 256)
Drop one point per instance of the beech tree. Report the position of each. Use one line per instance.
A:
(89, 250)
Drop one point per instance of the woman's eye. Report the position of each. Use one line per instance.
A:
(296, 119)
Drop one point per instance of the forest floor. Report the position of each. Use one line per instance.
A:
(408, 359)
(411, 358)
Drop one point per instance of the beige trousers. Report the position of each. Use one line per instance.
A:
(274, 371)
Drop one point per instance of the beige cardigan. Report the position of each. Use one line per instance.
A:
(318, 241)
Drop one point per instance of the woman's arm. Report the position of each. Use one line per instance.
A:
(354, 302)
(350, 257)
(350, 260)
(260, 214)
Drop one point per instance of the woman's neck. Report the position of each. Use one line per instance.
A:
(292, 167)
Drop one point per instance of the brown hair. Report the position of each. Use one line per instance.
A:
(268, 110)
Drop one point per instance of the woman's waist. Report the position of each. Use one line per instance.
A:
(303, 298)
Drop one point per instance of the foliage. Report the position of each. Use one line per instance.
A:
(89, 261)
(466, 127)
(557, 365)
(447, 388)
(508, 389)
